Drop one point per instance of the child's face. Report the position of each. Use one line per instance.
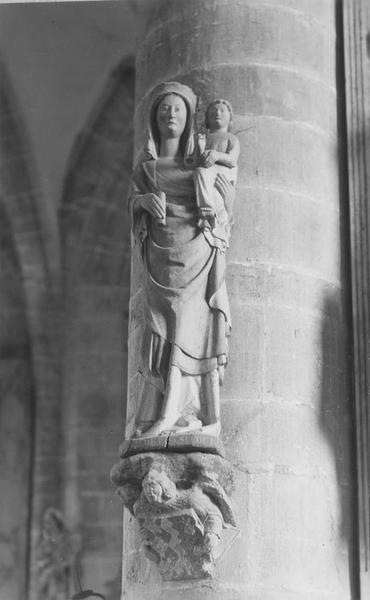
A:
(218, 116)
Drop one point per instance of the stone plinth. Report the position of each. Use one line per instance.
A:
(187, 442)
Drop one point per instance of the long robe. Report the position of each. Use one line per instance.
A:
(187, 317)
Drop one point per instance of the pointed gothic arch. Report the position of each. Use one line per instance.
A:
(27, 358)
(96, 273)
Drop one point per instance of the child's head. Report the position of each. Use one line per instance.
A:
(219, 115)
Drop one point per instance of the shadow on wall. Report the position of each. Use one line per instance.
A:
(96, 276)
(337, 414)
(337, 425)
(351, 467)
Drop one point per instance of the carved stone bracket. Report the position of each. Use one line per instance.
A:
(181, 504)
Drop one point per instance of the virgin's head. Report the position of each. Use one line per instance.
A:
(171, 116)
(171, 121)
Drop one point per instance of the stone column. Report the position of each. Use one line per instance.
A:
(286, 419)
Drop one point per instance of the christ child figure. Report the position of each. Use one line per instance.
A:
(219, 152)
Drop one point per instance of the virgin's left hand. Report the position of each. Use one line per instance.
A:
(225, 188)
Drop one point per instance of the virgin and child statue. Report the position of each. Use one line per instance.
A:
(181, 201)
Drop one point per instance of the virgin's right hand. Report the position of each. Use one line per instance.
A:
(153, 204)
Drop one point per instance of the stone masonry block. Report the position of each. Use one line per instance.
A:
(243, 376)
(269, 434)
(282, 537)
(267, 90)
(289, 156)
(255, 282)
(246, 32)
(317, 10)
(288, 230)
(297, 361)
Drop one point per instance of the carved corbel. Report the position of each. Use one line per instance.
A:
(181, 505)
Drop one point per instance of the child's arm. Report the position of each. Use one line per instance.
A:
(228, 159)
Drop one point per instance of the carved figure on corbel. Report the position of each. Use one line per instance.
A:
(172, 475)
(181, 511)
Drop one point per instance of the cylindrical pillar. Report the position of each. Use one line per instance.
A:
(286, 420)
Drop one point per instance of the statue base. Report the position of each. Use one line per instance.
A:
(181, 504)
(173, 442)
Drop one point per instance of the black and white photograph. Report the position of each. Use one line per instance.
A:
(185, 300)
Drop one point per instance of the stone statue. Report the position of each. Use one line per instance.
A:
(186, 313)
(180, 528)
(172, 474)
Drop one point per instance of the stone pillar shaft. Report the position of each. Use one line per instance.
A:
(285, 402)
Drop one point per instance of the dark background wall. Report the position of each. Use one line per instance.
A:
(66, 108)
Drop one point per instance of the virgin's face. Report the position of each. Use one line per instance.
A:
(171, 116)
